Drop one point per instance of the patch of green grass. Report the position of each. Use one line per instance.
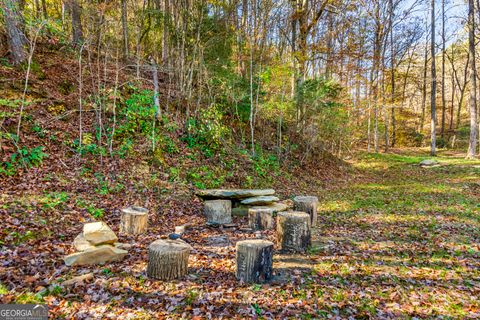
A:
(19, 237)
(29, 298)
(54, 199)
(191, 296)
(3, 289)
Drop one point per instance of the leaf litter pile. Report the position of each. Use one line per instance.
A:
(396, 241)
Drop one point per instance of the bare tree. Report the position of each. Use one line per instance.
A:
(125, 30)
(444, 103)
(433, 110)
(472, 144)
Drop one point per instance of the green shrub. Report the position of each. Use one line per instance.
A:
(24, 157)
(208, 132)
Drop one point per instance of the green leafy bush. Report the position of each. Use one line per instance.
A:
(24, 157)
(208, 131)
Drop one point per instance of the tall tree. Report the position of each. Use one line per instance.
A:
(472, 144)
(444, 103)
(433, 110)
(14, 25)
(392, 74)
(125, 30)
(77, 30)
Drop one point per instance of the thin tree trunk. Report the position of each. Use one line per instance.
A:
(472, 144)
(444, 108)
(424, 89)
(125, 30)
(433, 110)
(392, 75)
(44, 9)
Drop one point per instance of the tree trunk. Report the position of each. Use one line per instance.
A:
(125, 30)
(254, 260)
(14, 25)
(472, 144)
(307, 204)
(77, 30)
(424, 89)
(156, 98)
(293, 231)
(44, 9)
(444, 107)
(433, 110)
(392, 75)
(260, 218)
(218, 211)
(168, 259)
(134, 220)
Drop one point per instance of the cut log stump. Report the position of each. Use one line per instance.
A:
(254, 260)
(307, 204)
(260, 218)
(293, 231)
(134, 220)
(218, 211)
(168, 259)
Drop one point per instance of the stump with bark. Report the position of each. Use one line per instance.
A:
(260, 218)
(168, 259)
(254, 260)
(307, 204)
(134, 220)
(293, 231)
(218, 211)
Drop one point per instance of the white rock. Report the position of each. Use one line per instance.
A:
(428, 162)
(98, 233)
(97, 255)
(81, 244)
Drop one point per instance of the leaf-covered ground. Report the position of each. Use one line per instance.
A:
(394, 241)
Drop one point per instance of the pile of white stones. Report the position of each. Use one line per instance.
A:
(97, 244)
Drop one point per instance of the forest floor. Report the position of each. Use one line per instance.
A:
(394, 241)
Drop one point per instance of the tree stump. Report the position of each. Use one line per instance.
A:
(293, 231)
(168, 259)
(309, 205)
(254, 260)
(218, 211)
(134, 220)
(260, 218)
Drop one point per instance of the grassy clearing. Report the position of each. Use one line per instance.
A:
(409, 235)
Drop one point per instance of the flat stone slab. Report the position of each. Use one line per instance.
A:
(97, 255)
(274, 207)
(261, 200)
(233, 193)
(428, 163)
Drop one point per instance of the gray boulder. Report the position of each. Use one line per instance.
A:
(242, 210)
(428, 163)
(261, 200)
(233, 193)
